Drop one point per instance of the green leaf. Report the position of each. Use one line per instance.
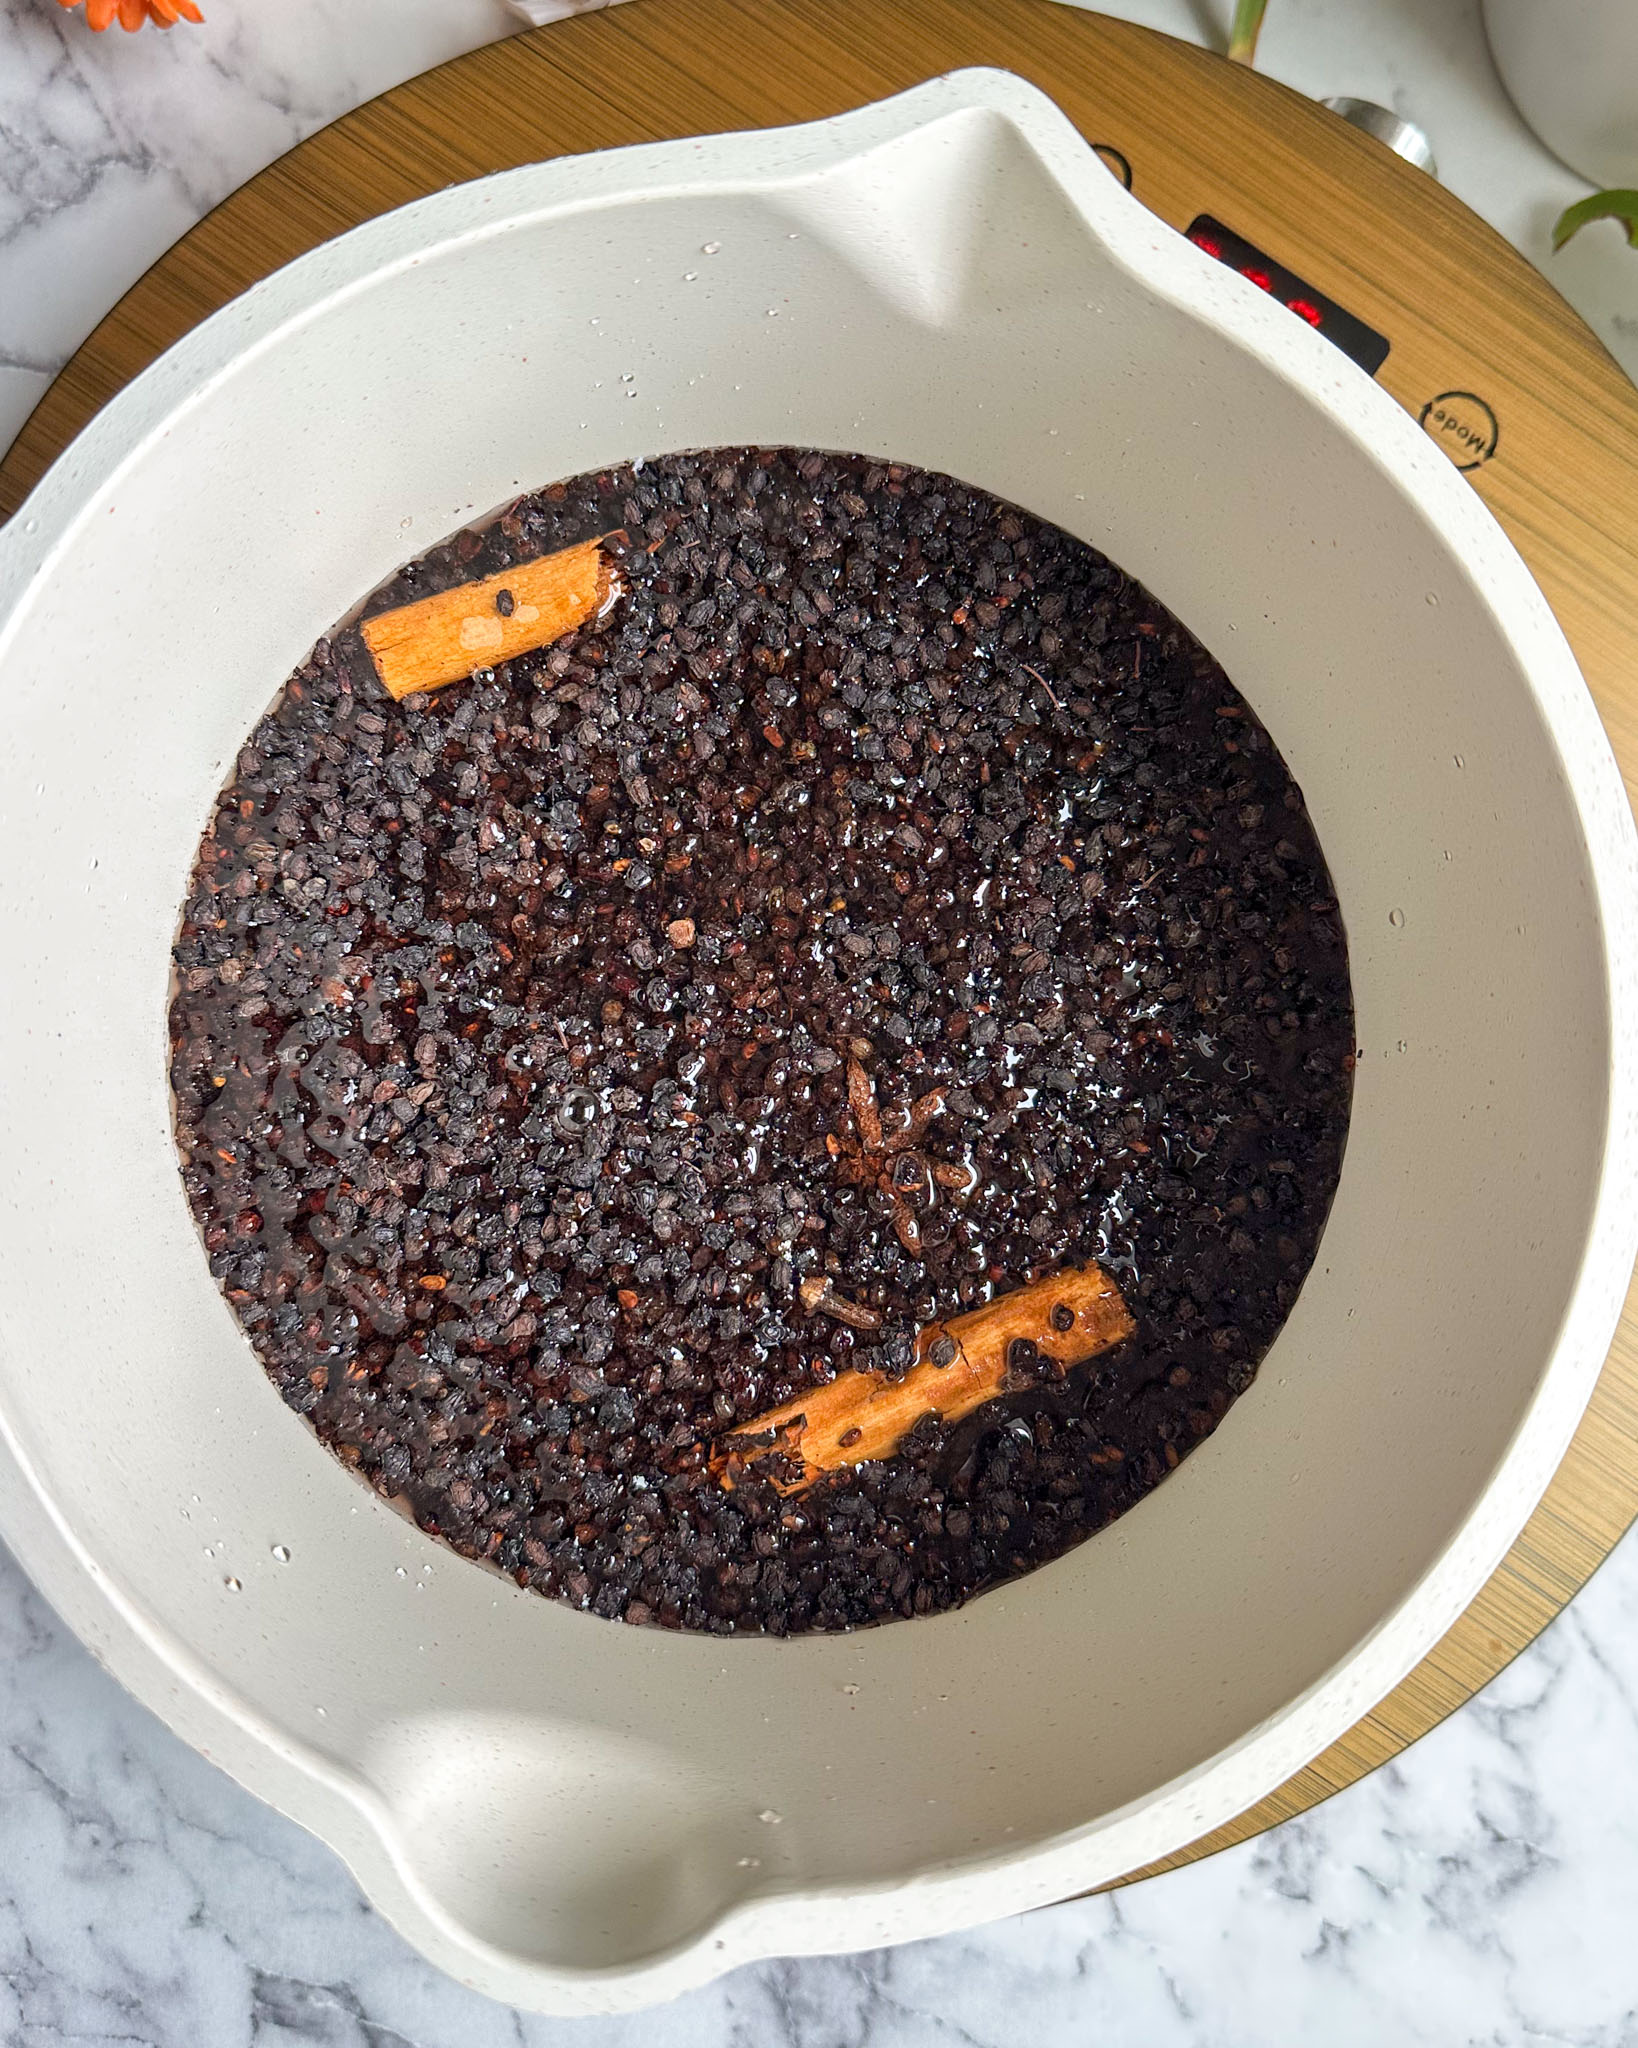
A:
(1248, 21)
(1619, 205)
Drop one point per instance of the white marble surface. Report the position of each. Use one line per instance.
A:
(110, 146)
(1482, 1891)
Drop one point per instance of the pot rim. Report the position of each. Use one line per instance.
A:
(166, 1674)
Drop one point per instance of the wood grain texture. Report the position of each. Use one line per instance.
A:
(1465, 315)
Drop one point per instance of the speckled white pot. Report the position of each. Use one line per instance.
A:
(1571, 69)
(582, 1817)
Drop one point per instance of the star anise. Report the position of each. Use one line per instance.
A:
(891, 1159)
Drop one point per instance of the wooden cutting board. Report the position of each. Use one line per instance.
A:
(1496, 367)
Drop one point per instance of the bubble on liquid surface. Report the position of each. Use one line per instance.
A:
(577, 1111)
(282, 1552)
(710, 248)
(233, 1585)
(945, 1135)
(1396, 918)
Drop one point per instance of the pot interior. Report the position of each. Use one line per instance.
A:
(572, 1793)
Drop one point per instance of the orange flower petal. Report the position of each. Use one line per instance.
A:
(162, 13)
(188, 11)
(99, 13)
(132, 15)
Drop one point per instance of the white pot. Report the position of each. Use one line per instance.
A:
(579, 1816)
(1571, 67)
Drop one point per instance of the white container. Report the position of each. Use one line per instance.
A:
(583, 1817)
(1571, 69)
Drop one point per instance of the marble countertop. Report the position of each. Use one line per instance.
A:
(1482, 1890)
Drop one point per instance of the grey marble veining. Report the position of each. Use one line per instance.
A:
(111, 146)
(1480, 1893)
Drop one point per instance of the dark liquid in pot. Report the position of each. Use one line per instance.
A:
(511, 1029)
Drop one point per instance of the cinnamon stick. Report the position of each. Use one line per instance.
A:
(961, 1363)
(445, 638)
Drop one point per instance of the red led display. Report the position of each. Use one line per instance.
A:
(1367, 348)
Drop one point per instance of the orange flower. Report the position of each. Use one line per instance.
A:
(131, 14)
